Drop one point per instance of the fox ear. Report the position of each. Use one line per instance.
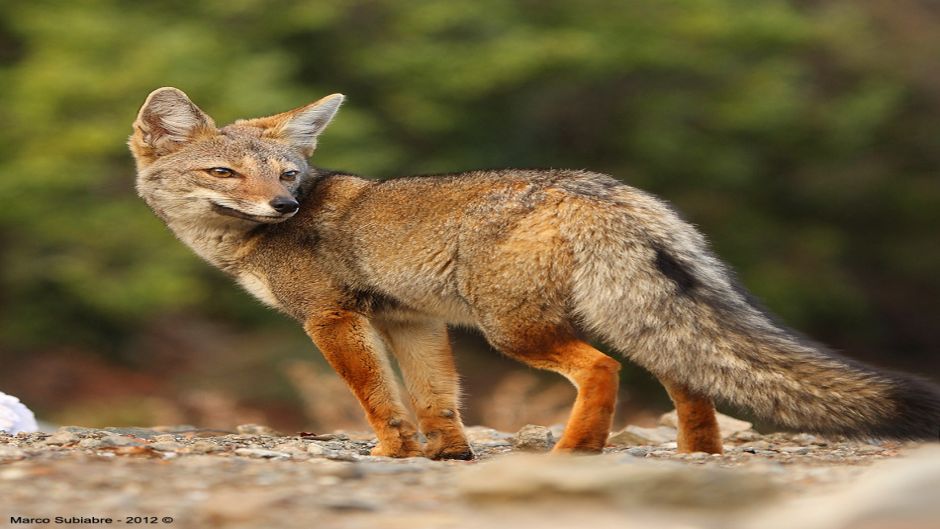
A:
(167, 121)
(301, 126)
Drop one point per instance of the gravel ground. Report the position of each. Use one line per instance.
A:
(255, 477)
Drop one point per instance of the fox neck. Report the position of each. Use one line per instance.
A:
(221, 241)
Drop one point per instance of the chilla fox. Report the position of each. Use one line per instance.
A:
(534, 259)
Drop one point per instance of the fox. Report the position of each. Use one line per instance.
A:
(542, 262)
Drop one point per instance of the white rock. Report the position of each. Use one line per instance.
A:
(262, 453)
(637, 435)
(14, 416)
(523, 479)
(898, 493)
(533, 438)
(315, 449)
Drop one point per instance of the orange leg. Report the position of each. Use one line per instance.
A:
(355, 350)
(427, 365)
(595, 375)
(698, 427)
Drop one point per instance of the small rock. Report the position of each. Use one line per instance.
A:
(80, 430)
(901, 493)
(62, 437)
(261, 453)
(639, 451)
(118, 441)
(626, 483)
(166, 446)
(204, 447)
(140, 433)
(292, 447)
(89, 443)
(533, 438)
(805, 439)
(482, 434)
(745, 436)
(756, 445)
(795, 450)
(728, 425)
(869, 449)
(637, 435)
(256, 429)
(164, 437)
(10, 453)
(316, 449)
(341, 456)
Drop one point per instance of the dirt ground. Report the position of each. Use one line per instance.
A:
(257, 478)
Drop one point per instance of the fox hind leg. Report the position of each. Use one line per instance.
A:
(594, 374)
(696, 421)
(427, 364)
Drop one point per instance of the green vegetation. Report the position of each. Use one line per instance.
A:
(802, 137)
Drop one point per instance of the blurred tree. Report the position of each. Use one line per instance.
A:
(800, 136)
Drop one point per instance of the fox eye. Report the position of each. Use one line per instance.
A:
(221, 172)
(289, 176)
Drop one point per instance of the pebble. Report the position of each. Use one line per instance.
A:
(637, 435)
(118, 441)
(204, 447)
(89, 442)
(62, 437)
(10, 453)
(256, 429)
(166, 446)
(533, 438)
(315, 449)
(261, 453)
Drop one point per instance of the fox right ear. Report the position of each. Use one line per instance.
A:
(167, 121)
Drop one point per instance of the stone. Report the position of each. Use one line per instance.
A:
(637, 435)
(89, 443)
(204, 447)
(11, 453)
(261, 453)
(728, 425)
(256, 429)
(61, 437)
(166, 446)
(533, 438)
(899, 493)
(116, 441)
(315, 449)
(523, 479)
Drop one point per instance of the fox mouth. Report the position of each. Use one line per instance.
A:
(232, 212)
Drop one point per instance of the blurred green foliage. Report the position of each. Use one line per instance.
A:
(802, 137)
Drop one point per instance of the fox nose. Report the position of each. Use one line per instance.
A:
(285, 205)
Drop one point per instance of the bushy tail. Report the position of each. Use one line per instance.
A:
(648, 285)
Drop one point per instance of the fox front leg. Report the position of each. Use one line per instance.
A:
(354, 348)
(427, 365)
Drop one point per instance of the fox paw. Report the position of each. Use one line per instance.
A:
(409, 449)
(450, 444)
(462, 452)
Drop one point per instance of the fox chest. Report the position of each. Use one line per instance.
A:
(258, 286)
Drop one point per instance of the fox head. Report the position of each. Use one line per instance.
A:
(248, 171)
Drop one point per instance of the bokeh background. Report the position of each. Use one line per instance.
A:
(803, 137)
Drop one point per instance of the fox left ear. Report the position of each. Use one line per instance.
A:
(301, 126)
(167, 121)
